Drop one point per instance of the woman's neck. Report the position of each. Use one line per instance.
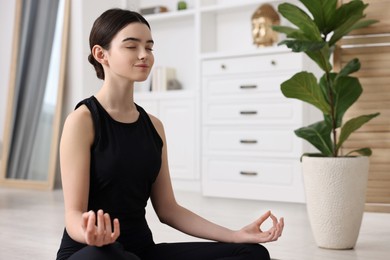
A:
(118, 101)
(118, 97)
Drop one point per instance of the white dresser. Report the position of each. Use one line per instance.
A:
(249, 149)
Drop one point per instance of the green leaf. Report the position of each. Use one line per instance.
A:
(351, 67)
(303, 46)
(363, 151)
(321, 57)
(347, 91)
(343, 30)
(352, 125)
(283, 29)
(301, 19)
(290, 32)
(340, 92)
(326, 84)
(346, 17)
(364, 23)
(304, 86)
(322, 11)
(318, 134)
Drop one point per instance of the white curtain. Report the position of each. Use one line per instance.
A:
(35, 48)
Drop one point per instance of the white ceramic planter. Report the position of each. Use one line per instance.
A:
(335, 196)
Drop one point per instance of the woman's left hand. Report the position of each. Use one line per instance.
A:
(253, 233)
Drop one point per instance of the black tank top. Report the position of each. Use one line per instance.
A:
(125, 162)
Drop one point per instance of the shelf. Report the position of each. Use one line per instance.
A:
(230, 54)
(170, 15)
(235, 6)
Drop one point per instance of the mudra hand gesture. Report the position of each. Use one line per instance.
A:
(100, 232)
(253, 233)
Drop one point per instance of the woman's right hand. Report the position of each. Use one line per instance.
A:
(102, 233)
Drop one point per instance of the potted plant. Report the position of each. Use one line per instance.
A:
(335, 184)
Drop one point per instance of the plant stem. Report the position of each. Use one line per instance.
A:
(331, 101)
(332, 112)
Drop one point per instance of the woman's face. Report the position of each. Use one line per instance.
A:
(130, 55)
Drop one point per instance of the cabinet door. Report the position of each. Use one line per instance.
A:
(178, 118)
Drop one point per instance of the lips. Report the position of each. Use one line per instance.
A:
(142, 66)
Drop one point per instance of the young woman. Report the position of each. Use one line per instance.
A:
(113, 158)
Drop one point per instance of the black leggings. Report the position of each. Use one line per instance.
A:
(177, 251)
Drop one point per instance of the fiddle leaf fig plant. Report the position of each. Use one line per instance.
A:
(317, 31)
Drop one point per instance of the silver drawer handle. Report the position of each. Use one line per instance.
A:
(248, 141)
(248, 173)
(254, 112)
(248, 86)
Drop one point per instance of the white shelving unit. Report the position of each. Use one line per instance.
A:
(213, 32)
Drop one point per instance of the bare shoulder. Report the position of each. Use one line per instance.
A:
(79, 122)
(157, 124)
(81, 117)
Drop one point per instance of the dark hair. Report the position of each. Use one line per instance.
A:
(104, 29)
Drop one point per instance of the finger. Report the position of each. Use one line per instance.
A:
(100, 230)
(274, 220)
(271, 235)
(100, 222)
(116, 233)
(277, 226)
(107, 223)
(90, 233)
(263, 218)
(281, 225)
(281, 221)
(276, 234)
(108, 228)
(84, 220)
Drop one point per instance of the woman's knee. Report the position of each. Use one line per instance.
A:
(256, 251)
(108, 252)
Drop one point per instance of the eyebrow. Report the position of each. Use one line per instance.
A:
(136, 40)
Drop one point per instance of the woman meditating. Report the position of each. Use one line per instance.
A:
(113, 157)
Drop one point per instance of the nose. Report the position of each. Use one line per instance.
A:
(143, 54)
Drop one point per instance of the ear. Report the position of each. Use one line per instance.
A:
(99, 54)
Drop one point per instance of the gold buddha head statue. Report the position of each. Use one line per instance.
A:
(262, 20)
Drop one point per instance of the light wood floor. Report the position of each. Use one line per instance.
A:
(31, 224)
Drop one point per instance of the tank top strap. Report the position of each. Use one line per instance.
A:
(149, 122)
(142, 111)
(90, 103)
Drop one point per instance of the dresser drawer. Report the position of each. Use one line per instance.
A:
(260, 172)
(252, 142)
(245, 87)
(248, 178)
(259, 64)
(279, 112)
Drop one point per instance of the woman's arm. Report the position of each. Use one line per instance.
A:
(176, 216)
(75, 145)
